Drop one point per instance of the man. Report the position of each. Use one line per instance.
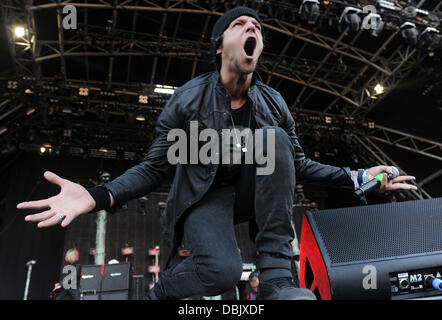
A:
(251, 289)
(206, 200)
(59, 292)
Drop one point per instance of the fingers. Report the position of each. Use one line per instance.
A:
(395, 184)
(49, 222)
(52, 177)
(381, 169)
(49, 218)
(402, 179)
(401, 186)
(386, 169)
(374, 171)
(38, 204)
(40, 216)
(67, 220)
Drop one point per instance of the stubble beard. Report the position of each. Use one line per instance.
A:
(243, 71)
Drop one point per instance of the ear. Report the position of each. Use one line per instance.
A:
(218, 50)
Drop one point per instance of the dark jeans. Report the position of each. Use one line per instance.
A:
(215, 265)
(68, 294)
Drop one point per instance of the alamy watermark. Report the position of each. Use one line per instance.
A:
(369, 22)
(70, 20)
(70, 280)
(370, 280)
(236, 145)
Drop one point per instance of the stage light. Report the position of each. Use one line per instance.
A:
(67, 110)
(83, 92)
(375, 27)
(107, 93)
(309, 11)
(328, 119)
(164, 89)
(142, 99)
(409, 33)
(430, 39)
(351, 17)
(102, 149)
(161, 205)
(378, 28)
(140, 117)
(30, 111)
(46, 148)
(12, 84)
(371, 125)
(387, 4)
(409, 12)
(19, 32)
(379, 89)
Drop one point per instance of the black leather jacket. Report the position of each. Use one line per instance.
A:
(205, 99)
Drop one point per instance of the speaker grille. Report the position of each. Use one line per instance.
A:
(380, 231)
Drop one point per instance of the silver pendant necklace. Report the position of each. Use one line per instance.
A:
(238, 144)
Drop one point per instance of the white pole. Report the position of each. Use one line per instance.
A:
(28, 278)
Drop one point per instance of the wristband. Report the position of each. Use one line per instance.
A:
(360, 172)
(364, 176)
(355, 178)
(101, 196)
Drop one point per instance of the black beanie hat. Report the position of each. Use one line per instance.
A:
(225, 20)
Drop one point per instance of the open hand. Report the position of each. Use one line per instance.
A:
(394, 184)
(72, 201)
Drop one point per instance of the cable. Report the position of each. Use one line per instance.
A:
(434, 282)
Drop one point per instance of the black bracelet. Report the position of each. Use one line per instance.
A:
(101, 196)
(360, 173)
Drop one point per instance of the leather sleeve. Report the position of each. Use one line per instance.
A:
(307, 170)
(147, 175)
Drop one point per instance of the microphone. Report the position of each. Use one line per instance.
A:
(31, 262)
(375, 182)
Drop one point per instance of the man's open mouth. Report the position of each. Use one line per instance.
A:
(249, 46)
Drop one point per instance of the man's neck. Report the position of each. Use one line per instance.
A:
(236, 85)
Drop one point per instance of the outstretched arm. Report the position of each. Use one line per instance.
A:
(74, 200)
(309, 171)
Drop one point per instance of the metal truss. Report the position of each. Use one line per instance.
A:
(62, 48)
(23, 50)
(383, 158)
(407, 141)
(353, 96)
(391, 69)
(400, 63)
(196, 51)
(422, 146)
